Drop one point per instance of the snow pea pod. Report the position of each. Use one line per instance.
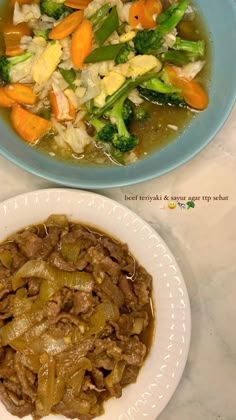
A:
(108, 52)
(109, 25)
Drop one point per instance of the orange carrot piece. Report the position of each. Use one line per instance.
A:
(30, 127)
(77, 4)
(136, 13)
(195, 95)
(21, 2)
(5, 101)
(22, 94)
(81, 43)
(141, 13)
(67, 25)
(12, 35)
(193, 92)
(55, 108)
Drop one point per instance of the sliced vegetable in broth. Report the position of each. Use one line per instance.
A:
(98, 76)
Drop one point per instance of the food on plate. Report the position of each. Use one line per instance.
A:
(100, 74)
(76, 319)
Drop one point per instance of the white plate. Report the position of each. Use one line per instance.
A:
(164, 366)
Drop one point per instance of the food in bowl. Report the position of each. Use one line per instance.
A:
(76, 319)
(86, 80)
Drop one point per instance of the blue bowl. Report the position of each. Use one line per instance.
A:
(220, 17)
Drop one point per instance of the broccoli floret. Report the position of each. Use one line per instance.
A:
(157, 98)
(123, 54)
(157, 85)
(160, 93)
(140, 114)
(105, 131)
(124, 143)
(149, 42)
(53, 9)
(127, 111)
(122, 140)
(7, 63)
(116, 132)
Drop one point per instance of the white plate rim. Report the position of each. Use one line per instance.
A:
(137, 402)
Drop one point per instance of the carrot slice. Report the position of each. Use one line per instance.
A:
(81, 43)
(195, 95)
(77, 4)
(55, 108)
(21, 94)
(67, 25)
(12, 37)
(143, 12)
(153, 8)
(30, 127)
(21, 2)
(193, 92)
(5, 101)
(136, 13)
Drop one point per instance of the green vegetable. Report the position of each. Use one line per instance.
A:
(140, 114)
(178, 58)
(43, 33)
(158, 86)
(127, 86)
(148, 42)
(195, 48)
(98, 17)
(109, 52)
(7, 64)
(122, 140)
(190, 205)
(121, 28)
(46, 113)
(105, 130)
(109, 25)
(69, 76)
(117, 133)
(157, 98)
(123, 54)
(127, 111)
(53, 9)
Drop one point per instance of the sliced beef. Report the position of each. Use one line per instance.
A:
(17, 407)
(142, 286)
(125, 286)
(57, 261)
(82, 302)
(120, 284)
(29, 244)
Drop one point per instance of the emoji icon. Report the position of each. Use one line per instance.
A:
(190, 205)
(172, 205)
(181, 205)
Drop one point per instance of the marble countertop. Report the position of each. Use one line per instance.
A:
(203, 240)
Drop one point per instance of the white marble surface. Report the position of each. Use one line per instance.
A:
(203, 240)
